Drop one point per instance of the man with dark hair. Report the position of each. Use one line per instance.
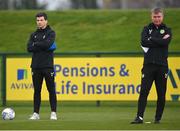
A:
(42, 14)
(41, 44)
(155, 39)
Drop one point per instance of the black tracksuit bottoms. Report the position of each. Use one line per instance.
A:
(37, 76)
(150, 73)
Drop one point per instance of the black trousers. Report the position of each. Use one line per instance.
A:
(37, 76)
(158, 74)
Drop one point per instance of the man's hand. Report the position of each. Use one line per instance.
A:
(166, 36)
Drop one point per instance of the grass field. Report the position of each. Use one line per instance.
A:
(86, 116)
(85, 30)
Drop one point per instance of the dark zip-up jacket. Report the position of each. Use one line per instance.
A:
(152, 38)
(39, 43)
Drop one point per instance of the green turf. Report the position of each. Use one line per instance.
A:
(110, 115)
(85, 30)
(0, 78)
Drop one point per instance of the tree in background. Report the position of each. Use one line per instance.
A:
(131, 4)
(87, 4)
(3, 4)
(18, 4)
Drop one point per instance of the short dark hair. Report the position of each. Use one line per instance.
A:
(41, 14)
(157, 10)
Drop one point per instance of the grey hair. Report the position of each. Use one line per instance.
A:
(157, 10)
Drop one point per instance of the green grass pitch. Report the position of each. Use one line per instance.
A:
(87, 116)
(85, 30)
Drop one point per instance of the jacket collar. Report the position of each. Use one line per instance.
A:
(154, 27)
(45, 29)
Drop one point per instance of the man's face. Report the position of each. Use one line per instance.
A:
(41, 22)
(157, 18)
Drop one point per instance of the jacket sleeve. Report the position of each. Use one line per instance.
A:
(146, 39)
(46, 44)
(30, 45)
(162, 42)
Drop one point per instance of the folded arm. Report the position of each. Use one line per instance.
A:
(47, 43)
(30, 45)
(146, 39)
(163, 41)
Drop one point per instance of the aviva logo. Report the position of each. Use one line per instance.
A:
(21, 74)
(175, 97)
